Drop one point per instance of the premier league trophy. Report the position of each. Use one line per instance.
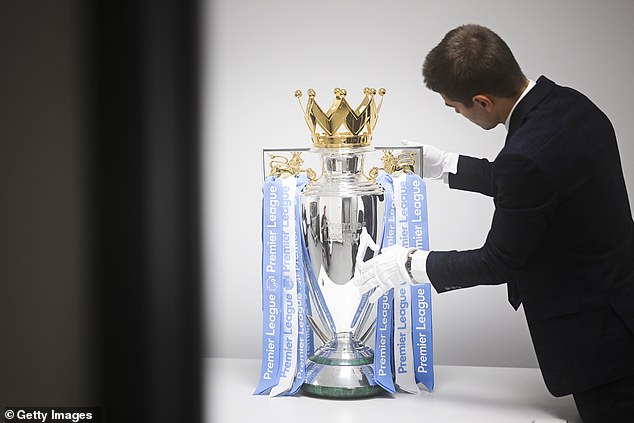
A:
(339, 210)
(315, 231)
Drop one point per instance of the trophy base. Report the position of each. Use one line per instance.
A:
(342, 368)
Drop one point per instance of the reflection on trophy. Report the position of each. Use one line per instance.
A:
(336, 208)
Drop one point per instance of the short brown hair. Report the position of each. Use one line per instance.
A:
(471, 60)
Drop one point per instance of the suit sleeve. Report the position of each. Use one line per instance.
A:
(525, 200)
(473, 175)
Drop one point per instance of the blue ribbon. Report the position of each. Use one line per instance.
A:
(384, 334)
(271, 284)
(422, 336)
(421, 309)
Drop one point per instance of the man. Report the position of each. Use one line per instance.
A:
(562, 235)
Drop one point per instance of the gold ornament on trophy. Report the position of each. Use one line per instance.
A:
(359, 122)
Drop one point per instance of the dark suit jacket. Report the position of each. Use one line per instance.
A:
(562, 234)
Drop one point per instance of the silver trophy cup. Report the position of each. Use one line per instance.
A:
(335, 209)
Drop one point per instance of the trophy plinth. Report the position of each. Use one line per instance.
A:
(343, 369)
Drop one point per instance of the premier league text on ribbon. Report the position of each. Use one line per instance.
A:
(271, 279)
(383, 342)
(284, 331)
(417, 212)
(402, 327)
(420, 295)
(289, 289)
(289, 300)
(421, 328)
(383, 339)
(271, 308)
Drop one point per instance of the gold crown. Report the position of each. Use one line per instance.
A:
(341, 114)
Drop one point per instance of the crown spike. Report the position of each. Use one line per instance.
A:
(298, 95)
(381, 93)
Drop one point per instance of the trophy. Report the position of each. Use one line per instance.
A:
(315, 230)
(338, 210)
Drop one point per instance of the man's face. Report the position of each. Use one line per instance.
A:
(476, 113)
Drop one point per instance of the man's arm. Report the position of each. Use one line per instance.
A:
(473, 175)
(525, 200)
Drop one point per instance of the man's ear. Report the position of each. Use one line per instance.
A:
(484, 101)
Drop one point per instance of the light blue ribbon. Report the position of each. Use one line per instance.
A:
(271, 284)
(384, 334)
(422, 337)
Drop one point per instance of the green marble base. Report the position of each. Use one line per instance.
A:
(342, 393)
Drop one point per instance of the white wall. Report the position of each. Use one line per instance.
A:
(259, 52)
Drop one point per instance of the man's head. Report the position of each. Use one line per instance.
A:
(473, 66)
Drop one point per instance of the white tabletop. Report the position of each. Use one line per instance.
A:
(462, 394)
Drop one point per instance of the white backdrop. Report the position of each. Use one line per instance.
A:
(257, 53)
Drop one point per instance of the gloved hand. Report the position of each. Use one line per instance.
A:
(383, 272)
(435, 161)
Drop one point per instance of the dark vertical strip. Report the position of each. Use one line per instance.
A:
(47, 295)
(147, 210)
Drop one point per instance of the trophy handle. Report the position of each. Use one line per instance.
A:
(393, 164)
(281, 166)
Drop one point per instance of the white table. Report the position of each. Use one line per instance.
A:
(462, 394)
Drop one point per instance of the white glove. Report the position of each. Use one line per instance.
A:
(383, 272)
(435, 161)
